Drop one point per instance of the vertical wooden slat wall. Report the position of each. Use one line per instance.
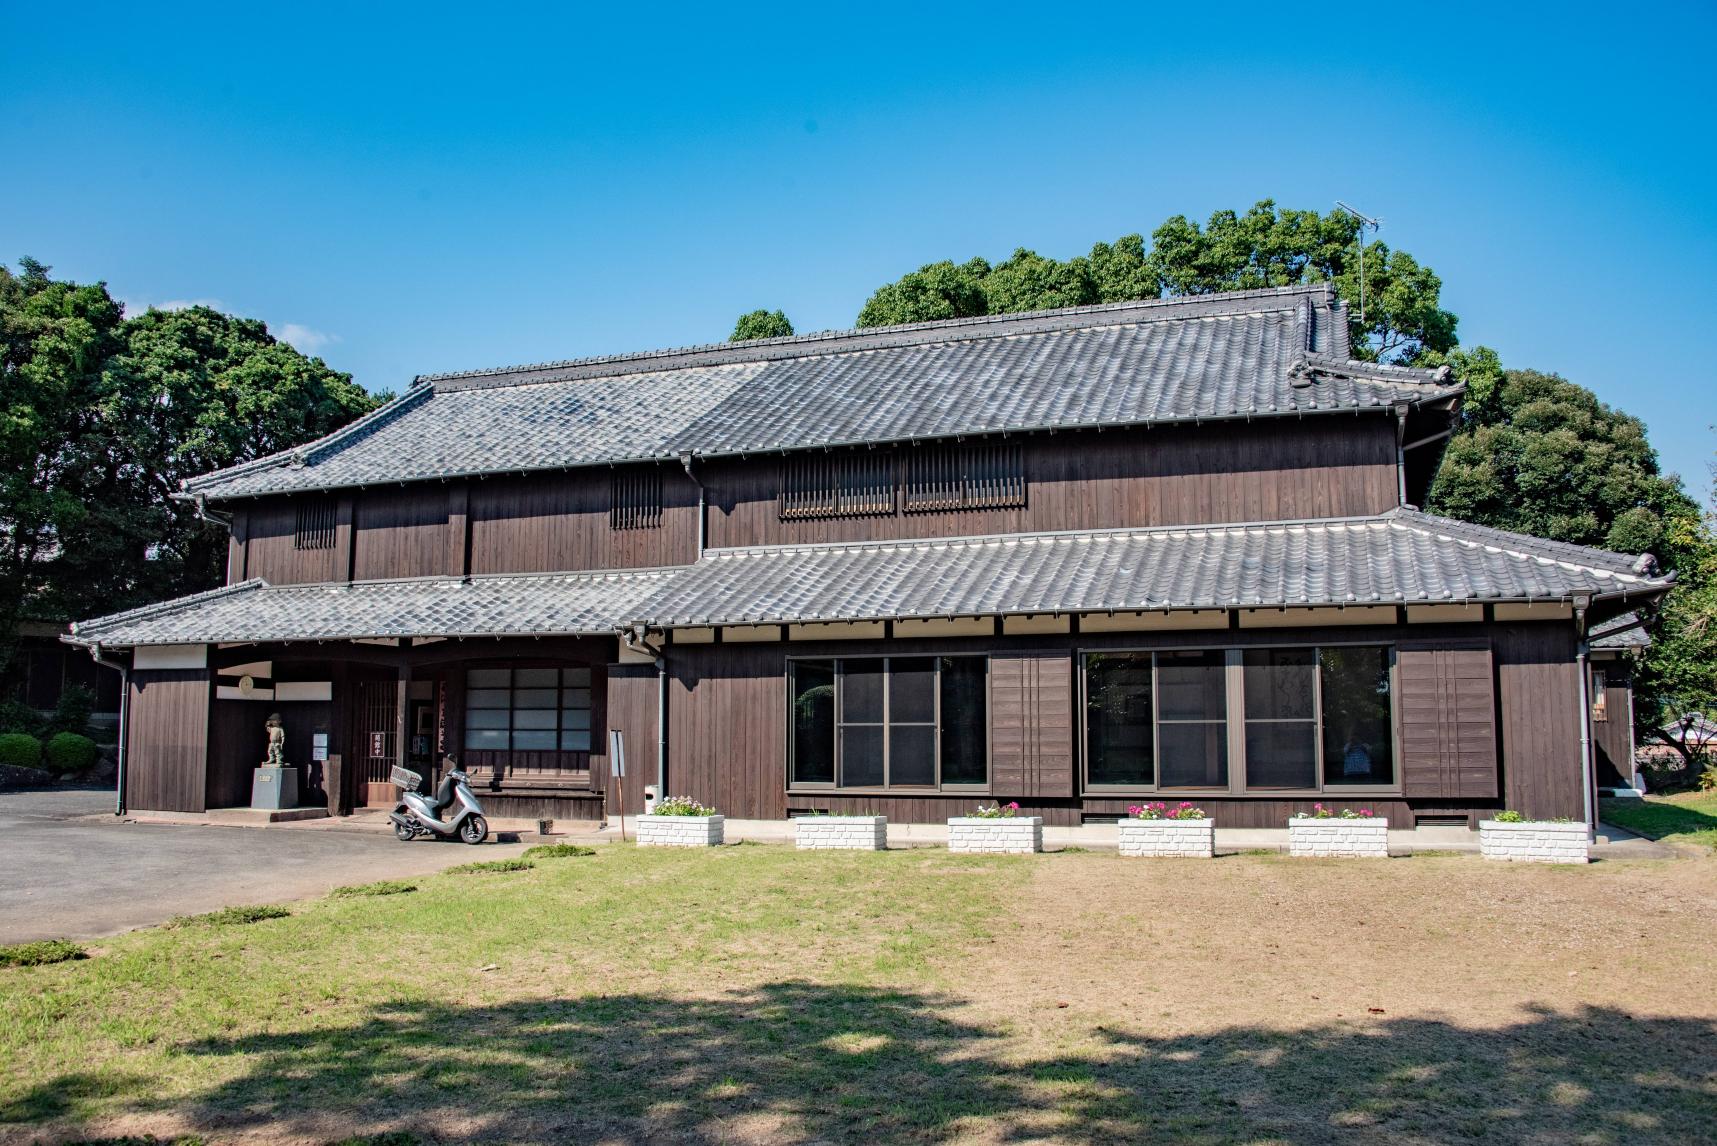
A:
(167, 740)
(1448, 720)
(631, 708)
(1031, 725)
(1538, 684)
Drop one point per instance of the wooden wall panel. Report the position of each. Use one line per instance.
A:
(1448, 720)
(1613, 737)
(727, 728)
(631, 705)
(1031, 725)
(401, 532)
(167, 740)
(270, 527)
(1165, 476)
(1538, 689)
(238, 742)
(552, 522)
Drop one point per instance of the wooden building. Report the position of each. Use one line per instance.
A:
(1073, 559)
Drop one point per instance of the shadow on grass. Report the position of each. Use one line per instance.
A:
(1655, 819)
(801, 1062)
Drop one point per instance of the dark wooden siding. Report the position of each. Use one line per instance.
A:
(546, 523)
(269, 529)
(727, 728)
(167, 740)
(1164, 476)
(401, 532)
(631, 703)
(1538, 689)
(1613, 737)
(1031, 725)
(1447, 706)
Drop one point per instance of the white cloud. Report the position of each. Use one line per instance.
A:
(304, 338)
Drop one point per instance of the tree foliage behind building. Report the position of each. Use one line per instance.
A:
(102, 415)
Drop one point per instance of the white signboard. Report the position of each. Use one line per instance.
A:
(319, 746)
(616, 752)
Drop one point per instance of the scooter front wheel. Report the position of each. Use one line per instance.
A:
(474, 830)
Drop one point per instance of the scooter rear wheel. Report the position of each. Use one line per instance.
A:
(403, 833)
(474, 830)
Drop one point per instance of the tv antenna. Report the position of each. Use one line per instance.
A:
(1364, 222)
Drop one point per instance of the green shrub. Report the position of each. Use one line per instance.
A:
(383, 887)
(558, 851)
(40, 952)
(20, 750)
(68, 753)
(491, 865)
(226, 915)
(1510, 817)
(16, 716)
(71, 713)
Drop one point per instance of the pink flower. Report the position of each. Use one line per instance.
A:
(1133, 811)
(1014, 804)
(1365, 812)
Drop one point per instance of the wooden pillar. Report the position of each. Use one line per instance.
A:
(345, 529)
(402, 705)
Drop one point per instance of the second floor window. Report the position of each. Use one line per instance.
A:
(635, 499)
(838, 485)
(315, 525)
(963, 477)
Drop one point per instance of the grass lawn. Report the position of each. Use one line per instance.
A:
(758, 994)
(1684, 818)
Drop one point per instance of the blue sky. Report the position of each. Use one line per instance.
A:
(419, 188)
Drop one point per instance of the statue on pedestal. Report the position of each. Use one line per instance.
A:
(276, 743)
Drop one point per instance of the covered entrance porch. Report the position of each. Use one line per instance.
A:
(521, 716)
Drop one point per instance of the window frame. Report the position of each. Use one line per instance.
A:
(1235, 722)
(635, 499)
(315, 525)
(513, 688)
(795, 785)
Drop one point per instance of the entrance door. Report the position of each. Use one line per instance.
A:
(377, 711)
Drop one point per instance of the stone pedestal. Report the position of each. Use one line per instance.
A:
(272, 788)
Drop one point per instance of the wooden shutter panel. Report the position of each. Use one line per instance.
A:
(1448, 720)
(1031, 725)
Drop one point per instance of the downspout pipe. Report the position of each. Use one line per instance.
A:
(703, 504)
(1588, 773)
(637, 638)
(124, 712)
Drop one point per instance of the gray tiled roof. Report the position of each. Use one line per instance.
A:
(1398, 557)
(1248, 354)
(560, 604)
(1623, 632)
(1401, 557)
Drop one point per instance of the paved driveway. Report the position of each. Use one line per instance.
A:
(69, 869)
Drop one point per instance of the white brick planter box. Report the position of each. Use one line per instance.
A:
(1195, 839)
(680, 831)
(1339, 838)
(1007, 834)
(841, 833)
(1534, 842)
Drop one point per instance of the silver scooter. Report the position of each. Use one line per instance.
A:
(453, 812)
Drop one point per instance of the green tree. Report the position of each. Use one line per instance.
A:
(1265, 247)
(761, 324)
(1537, 454)
(102, 416)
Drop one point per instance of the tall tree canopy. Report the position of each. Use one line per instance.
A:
(101, 416)
(761, 324)
(1264, 247)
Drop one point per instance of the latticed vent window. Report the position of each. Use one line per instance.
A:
(963, 477)
(635, 501)
(838, 485)
(315, 525)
